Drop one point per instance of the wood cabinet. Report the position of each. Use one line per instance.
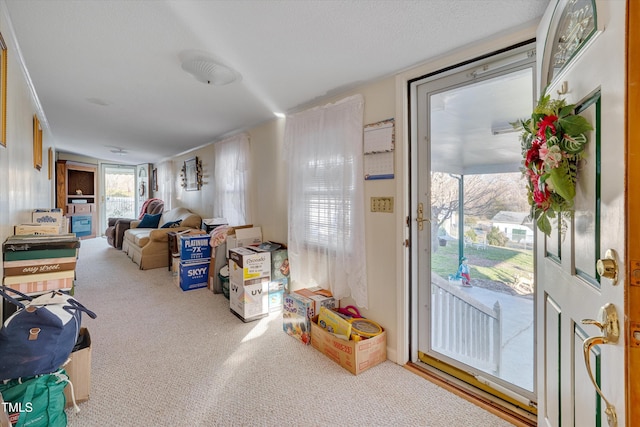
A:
(77, 194)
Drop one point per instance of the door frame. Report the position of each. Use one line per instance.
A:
(632, 306)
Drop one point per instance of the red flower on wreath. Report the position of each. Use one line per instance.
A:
(547, 122)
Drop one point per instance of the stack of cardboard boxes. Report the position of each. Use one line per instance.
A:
(190, 265)
(300, 320)
(34, 264)
(44, 222)
(249, 277)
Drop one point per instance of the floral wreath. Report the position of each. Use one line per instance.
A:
(553, 142)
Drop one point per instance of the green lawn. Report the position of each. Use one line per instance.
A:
(493, 263)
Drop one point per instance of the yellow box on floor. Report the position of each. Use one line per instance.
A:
(354, 356)
(79, 371)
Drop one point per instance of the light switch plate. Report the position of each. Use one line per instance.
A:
(382, 204)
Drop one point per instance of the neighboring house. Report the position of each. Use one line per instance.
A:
(515, 225)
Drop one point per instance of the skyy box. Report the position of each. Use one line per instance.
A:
(192, 275)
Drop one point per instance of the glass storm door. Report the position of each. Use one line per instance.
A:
(473, 250)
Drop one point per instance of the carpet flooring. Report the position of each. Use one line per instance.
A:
(164, 357)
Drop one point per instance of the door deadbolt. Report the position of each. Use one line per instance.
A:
(608, 266)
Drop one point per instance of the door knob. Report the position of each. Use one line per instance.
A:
(608, 324)
(608, 266)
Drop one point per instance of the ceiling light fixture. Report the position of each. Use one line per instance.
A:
(209, 71)
(119, 152)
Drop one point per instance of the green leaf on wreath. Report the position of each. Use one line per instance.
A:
(575, 125)
(544, 224)
(566, 110)
(573, 144)
(561, 181)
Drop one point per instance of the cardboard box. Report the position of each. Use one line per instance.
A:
(249, 301)
(40, 283)
(277, 289)
(280, 264)
(38, 266)
(296, 321)
(194, 246)
(53, 217)
(36, 229)
(354, 356)
(189, 275)
(78, 369)
(243, 237)
(321, 298)
(247, 264)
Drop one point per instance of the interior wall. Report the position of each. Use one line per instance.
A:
(22, 187)
(201, 201)
(387, 256)
(269, 203)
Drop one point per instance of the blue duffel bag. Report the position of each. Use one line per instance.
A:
(39, 337)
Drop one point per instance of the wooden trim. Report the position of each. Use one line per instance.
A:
(475, 396)
(632, 182)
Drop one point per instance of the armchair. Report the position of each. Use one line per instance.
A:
(117, 226)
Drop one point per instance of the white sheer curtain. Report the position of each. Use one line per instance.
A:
(326, 198)
(231, 179)
(165, 183)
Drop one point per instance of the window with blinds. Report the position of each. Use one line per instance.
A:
(329, 202)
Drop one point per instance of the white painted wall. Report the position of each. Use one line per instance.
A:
(22, 187)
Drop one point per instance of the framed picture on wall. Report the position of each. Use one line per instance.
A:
(37, 143)
(154, 179)
(191, 175)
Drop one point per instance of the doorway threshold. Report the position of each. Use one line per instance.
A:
(496, 406)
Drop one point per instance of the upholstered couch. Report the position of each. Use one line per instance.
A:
(149, 247)
(117, 226)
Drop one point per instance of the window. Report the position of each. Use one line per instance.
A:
(231, 177)
(326, 199)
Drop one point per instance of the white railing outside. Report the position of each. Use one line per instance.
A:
(464, 328)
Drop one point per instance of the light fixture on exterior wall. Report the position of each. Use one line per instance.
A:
(208, 71)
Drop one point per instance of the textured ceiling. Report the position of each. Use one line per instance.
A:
(108, 73)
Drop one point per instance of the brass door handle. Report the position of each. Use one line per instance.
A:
(608, 324)
(612, 417)
(420, 219)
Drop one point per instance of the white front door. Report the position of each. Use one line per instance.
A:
(571, 288)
